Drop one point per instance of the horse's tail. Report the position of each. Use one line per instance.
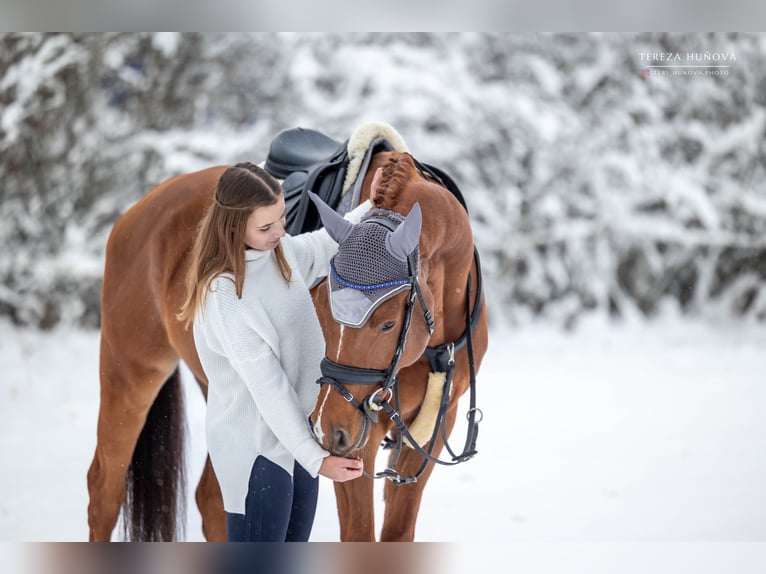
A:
(155, 504)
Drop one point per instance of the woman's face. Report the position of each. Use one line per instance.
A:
(266, 226)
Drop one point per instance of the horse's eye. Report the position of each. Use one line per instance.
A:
(387, 326)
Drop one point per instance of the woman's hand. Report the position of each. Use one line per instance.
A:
(341, 469)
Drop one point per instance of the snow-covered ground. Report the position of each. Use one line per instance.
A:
(640, 432)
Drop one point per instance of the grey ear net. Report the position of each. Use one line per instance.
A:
(336, 226)
(404, 239)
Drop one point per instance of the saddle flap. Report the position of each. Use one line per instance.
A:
(326, 181)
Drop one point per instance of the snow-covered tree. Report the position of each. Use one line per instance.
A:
(592, 187)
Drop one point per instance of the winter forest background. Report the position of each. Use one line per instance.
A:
(592, 188)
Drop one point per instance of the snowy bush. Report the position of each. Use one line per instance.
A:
(591, 187)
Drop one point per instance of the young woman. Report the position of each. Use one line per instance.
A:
(260, 344)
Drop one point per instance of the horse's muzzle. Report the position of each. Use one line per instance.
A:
(339, 440)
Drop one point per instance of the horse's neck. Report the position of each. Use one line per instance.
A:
(449, 286)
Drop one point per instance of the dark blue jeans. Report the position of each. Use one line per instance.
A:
(278, 507)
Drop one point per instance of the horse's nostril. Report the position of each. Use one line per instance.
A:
(341, 441)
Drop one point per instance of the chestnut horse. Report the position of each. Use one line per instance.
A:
(138, 464)
(399, 358)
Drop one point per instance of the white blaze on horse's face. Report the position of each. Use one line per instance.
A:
(318, 430)
(340, 343)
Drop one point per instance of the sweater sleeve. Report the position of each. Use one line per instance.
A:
(356, 214)
(314, 250)
(280, 407)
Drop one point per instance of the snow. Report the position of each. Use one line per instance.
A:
(615, 432)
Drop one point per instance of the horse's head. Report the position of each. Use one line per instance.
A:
(374, 311)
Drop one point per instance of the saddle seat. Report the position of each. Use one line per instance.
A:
(299, 149)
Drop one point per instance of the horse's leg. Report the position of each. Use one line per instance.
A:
(210, 504)
(356, 511)
(208, 495)
(403, 502)
(128, 390)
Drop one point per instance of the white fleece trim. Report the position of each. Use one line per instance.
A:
(360, 141)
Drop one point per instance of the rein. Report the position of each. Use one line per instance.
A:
(446, 353)
(441, 358)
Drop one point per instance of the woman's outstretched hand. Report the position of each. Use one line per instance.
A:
(341, 469)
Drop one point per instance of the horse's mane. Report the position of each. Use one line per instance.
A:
(396, 174)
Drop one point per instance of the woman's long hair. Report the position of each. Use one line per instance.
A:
(220, 243)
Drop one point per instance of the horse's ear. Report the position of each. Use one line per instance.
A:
(336, 226)
(404, 239)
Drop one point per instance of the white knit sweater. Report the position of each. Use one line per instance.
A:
(261, 355)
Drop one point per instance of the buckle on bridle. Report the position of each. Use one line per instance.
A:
(372, 405)
(375, 403)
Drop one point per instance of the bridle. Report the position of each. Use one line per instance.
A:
(442, 358)
(333, 373)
